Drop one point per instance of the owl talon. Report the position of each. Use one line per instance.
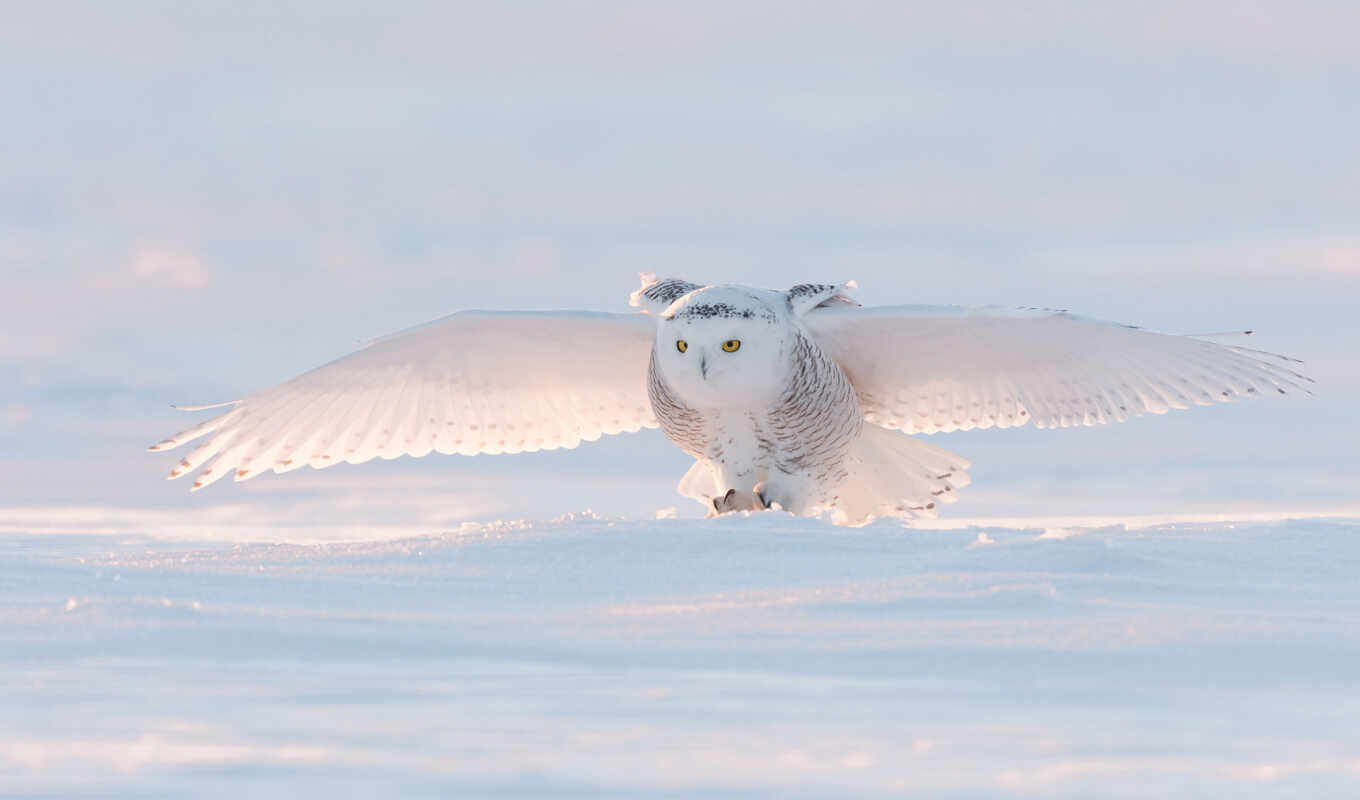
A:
(734, 500)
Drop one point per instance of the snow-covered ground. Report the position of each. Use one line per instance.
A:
(746, 656)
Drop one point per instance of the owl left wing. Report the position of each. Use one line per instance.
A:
(472, 382)
(927, 369)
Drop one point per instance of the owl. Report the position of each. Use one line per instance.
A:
(800, 400)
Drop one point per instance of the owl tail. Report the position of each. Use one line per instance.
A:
(894, 475)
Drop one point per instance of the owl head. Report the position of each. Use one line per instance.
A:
(726, 346)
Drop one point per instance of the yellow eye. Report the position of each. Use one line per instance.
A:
(681, 345)
(731, 345)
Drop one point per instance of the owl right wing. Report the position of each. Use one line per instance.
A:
(925, 369)
(472, 382)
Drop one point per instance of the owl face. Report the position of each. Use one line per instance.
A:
(722, 348)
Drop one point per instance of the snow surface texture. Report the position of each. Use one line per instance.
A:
(746, 656)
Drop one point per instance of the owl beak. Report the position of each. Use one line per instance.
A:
(703, 367)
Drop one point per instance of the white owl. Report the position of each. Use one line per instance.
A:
(788, 399)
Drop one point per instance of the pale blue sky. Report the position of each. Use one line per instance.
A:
(197, 200)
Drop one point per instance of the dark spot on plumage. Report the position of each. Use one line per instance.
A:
(669, 290)
(807, 296)
(809, 288)
(713, 311)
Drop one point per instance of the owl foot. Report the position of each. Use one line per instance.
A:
(734, 500)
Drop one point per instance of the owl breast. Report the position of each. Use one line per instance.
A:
(803, 431)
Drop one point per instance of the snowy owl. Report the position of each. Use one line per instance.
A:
(794, 399)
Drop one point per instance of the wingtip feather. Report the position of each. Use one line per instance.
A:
(207, 407)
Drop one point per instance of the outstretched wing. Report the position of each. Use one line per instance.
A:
(925, 369)
(473, 382)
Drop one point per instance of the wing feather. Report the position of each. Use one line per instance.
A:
(926, 369)
(473, 382)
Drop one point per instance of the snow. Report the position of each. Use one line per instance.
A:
(756, 655)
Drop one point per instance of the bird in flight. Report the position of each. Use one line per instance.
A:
(800, 399)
